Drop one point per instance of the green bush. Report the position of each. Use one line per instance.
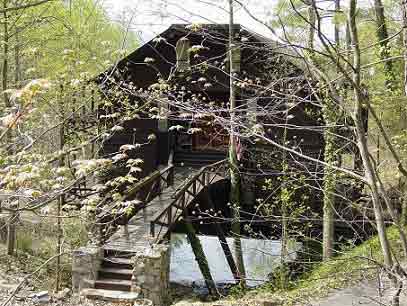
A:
(24, 242)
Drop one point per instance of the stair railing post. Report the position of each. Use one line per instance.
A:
(203, 179)
(183, 201)
(170, 177)
(169, 217)
(159, 186)
(152, 229)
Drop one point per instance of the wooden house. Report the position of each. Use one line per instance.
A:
(177, 87)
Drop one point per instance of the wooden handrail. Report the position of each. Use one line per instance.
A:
(192, 179)
(149, 179)
(201, 177)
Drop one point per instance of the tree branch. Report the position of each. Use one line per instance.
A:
(24, 6)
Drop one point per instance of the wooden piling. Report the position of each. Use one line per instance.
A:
(200, 257)
(223, 243)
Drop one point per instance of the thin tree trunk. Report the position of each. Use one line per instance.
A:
(5, 67)
(311, 25)
(284, 215)
(330, 150)
(11, 233)
(61, 200)
(348, 47)
(5, 55)
(383, 36)
(403, 6)
(328, 230)
(362, 141)
(17, 75)
(11, 236)
(234, 166)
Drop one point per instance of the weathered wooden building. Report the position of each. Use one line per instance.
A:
(168, 103)
(177, 87)
(272, 91)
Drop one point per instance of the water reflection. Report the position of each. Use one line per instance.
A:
(260, 258)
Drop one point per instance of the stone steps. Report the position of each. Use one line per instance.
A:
(111, 261)
(109, 295)
(115, 273)
(113, 284)
(114, 280)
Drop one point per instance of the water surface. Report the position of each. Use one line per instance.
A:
(260, 258)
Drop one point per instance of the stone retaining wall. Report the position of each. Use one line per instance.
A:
(151, 274)
(86, 262)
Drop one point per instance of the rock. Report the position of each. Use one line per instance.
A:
(40, 297)
(143, 302)
(63, 294)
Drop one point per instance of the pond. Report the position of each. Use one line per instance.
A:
(260, 258)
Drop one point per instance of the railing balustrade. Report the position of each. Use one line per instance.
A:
(184, 195)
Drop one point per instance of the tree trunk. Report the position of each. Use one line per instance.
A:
(330, 157)
(362, 141)
(403, 6)
(311, 25)
(17, 74)
(383, 38)
(233, 161)
(11, 236)
(5, 67)
(330, 150)
(5, 56)
(11, 232)
(61, 200)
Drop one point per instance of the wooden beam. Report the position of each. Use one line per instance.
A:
(200, 257)
(224, 243)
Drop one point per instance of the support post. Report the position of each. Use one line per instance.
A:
(200, 257)
(170, 178)
(224, 244)
(152, 229)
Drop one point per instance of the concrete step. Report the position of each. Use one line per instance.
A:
(113, 284)
(117, 263)
(115, 273)
(109, 295)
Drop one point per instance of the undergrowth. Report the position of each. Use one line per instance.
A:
(36, 243)
(344, 270)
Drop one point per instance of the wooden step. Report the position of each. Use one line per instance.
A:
(109, 295)
(117, 262)
(109, 252)
(115, 273)
(113, 284)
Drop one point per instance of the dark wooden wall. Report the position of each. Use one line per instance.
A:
(137, 131)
